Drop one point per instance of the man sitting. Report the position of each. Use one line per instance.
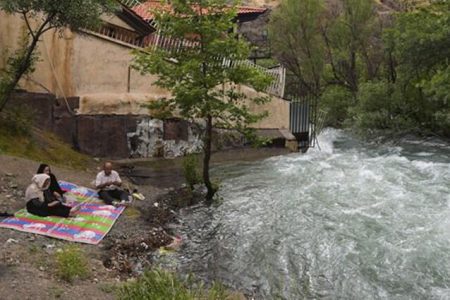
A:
(108, 183)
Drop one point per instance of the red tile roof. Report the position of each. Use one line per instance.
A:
(145, 10)
(251, 10)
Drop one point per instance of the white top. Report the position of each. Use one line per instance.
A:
(102, 178)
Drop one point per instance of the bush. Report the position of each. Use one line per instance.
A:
(335, 101)
(191, 170)
(384, 106)
(71, 264)
(16, 121)
(162, 285)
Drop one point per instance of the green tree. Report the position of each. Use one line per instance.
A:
(350, 35)
(41, 16)
(204, 75)
(296, 39)
(420, 44)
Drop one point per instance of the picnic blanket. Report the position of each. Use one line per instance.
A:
(92, 223)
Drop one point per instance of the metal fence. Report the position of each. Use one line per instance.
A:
(157, 40)
(305, 120)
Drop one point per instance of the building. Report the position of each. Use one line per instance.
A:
(95, 67)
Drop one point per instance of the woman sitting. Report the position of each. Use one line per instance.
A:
(40, 202)
(54, 189)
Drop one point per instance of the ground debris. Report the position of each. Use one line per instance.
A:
(131, 255)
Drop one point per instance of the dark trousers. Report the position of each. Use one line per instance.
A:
(110, 195)
(43, 210)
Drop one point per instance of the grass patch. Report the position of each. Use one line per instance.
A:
(107, 288)
(159, 284)
(41, 146)
(56, 292)
(71, 264)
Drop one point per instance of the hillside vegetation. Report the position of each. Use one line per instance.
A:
(19, 138)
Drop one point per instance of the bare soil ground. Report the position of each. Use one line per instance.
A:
(27, 261)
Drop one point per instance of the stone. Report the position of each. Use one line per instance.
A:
(292, 145)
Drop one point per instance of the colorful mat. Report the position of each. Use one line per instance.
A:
(90, 226)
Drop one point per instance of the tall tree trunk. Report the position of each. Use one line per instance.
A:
(206, 160)
(25, 64)
(26, 61)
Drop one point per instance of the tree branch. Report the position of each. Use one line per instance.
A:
(28, 24)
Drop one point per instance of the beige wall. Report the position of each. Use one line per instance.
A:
(73, 64)
(101, 66)
(277, 108)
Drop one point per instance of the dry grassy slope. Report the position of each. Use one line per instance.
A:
(392, 4)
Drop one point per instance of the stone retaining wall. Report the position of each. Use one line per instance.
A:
(118, 136)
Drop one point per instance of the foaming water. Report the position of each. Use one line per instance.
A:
(351, 221)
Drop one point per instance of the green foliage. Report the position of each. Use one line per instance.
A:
(40, 146)
(336, 100)
(420, 43)
(71, 264)
(377, 72)
(74, 14)
(204, 78)
(191, 170)
(17, 121)
(162, 285)
(379, 107)
(296, 39)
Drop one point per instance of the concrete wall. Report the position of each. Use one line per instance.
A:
(277, 108)
(74, 64)
(96, 70)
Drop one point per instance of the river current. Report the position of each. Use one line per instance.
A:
(349, 221)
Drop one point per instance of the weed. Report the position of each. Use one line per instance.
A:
(40, 146)
(108, 288)
(191, 170)
(71, 264)
(17, 121)
(158, 284)
(56, 292)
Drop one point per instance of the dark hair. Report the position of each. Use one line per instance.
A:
(41, 168)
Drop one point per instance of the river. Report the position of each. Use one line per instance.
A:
(351, 221)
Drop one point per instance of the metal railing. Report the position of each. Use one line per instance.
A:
(157, 40)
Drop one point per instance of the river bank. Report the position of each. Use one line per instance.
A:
(27, 265)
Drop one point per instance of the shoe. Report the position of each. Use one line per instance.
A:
(138, 196)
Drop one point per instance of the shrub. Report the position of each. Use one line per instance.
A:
(335, 101)
(16, 121)
(191, 170)
(71, 264)
(382, 105)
